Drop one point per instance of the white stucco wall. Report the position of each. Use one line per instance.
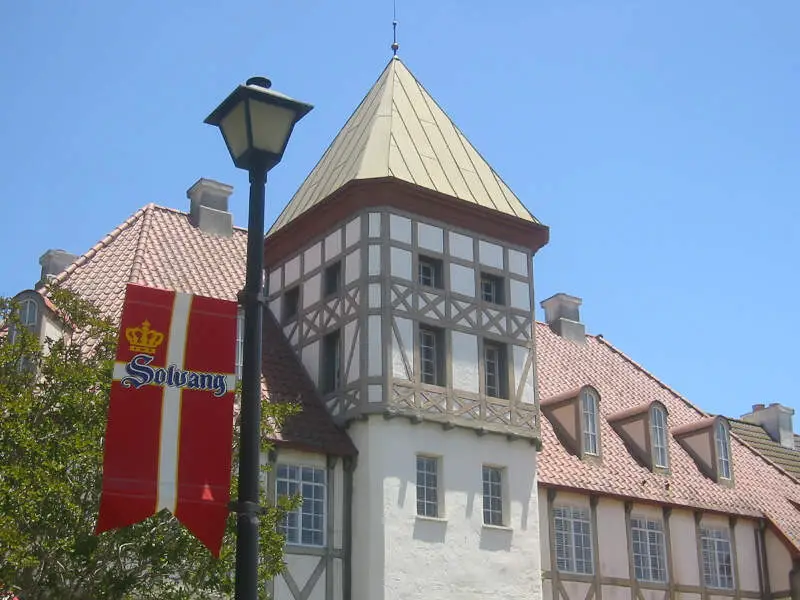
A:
(397, 555)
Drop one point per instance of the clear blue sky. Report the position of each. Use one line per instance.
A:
(660, 141)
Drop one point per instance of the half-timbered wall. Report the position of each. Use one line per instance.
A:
(382, 305)
(398, 555)
(317, 572)
(612, 575)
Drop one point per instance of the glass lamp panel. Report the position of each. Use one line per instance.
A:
(234, 130)
(271, 126)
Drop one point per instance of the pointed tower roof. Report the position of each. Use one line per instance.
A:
(400, 131)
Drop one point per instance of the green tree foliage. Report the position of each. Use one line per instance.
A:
(53, 404)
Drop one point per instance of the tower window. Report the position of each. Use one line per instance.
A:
(495, 372)
(333, 278)
(331, 362)
(492, 289)
(492, 495)
(658, 434)
(589, 412)
(291, 302)
(429, 272)
(427, 486)
(431, 355)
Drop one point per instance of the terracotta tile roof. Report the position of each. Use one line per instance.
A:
(758, 439)
(760, 489)
(159, 247)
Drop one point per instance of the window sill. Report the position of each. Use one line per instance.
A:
(497, 527)
(431, 519)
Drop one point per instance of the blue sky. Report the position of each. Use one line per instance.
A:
(660, 141)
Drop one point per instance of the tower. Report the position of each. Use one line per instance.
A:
(401, 274)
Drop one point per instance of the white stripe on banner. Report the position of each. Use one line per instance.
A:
(171, 408)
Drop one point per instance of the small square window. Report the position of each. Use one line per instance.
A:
(495, 370)
(331, 362)
(492, 289)
(333, 278)
(429, 272)
(431, 355)
(291, 302)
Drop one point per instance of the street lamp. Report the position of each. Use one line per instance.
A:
(256, 123)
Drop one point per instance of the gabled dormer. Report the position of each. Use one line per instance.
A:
(645, 433)
(575, 417)
(708, 442)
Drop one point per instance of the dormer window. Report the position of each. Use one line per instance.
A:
(658, 436)
(723, 451)
(589, 411)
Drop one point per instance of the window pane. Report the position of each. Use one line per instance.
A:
(427, 486)
(306, 524)
(492, 496)
(589, 402)
(573, 540)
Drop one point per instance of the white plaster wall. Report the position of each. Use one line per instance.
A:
(400, 228)
(312, 258)
(352, 232)
(400, 263)
(518, 262)
(310, 358)
(576, 590)
(746, 554)
(779, 561)
(312, 290)
(399, 556)
(616, 592)
(291, 271)
(520, 357)
(611, 534)
(462, 280)
(684, 547)
(276, 280)
(375, 346)
(520, 295)
(374, 292)
(50, 329)
(374, 225)
(403, 346)
(333, 245)
(374, 265)
(275, 308)
(465, 361)
(352, 266)
(351, 345)
(430, 237)
(461, 246)
(490, 254)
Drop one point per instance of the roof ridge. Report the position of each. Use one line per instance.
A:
(611, 347)
(91, 252)
(178, 211)
(138, 253)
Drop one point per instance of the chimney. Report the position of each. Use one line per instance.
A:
(776, 420)
(53, 262)
(562, 314)
(208, 210)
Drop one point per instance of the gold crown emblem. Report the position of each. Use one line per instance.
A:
(144, 339)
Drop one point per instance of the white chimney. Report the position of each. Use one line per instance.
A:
(562, 314)
(208, 210)
(53, 262)
(776, 420)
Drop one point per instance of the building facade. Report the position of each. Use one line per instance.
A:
(450, 446)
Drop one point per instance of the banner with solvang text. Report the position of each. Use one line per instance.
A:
(170, 417)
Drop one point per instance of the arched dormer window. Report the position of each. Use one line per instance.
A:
(723, 450)
(28, 312)
(658, 436)
(589, 413)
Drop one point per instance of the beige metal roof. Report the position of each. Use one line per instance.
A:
(398, 130)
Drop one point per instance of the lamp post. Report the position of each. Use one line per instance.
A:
(256, 123)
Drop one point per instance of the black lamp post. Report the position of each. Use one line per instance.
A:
(256, 123)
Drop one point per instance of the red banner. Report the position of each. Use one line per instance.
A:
(170, 416)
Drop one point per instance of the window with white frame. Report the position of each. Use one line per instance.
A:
(495, 371)
(492, 495)
(589, 411)
(431, 355)
(427, 486)
(28, 311)
(573, 529)
(658, 434)
(647, 537)
(239, 343)
(305, 525)
(723, 451)
(717, 563)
